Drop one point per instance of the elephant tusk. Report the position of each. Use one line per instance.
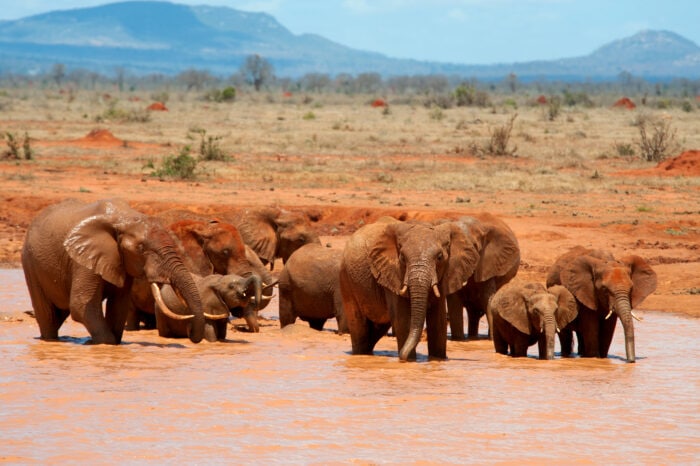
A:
(266, 298)
(612, 308)
(215, 316)
(636, 317)
(558, 329)
(436, 291)
(164, 308)
(403, 291)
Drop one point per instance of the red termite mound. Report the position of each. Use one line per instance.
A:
(158, 107)
(100, 136)
(542, 100)
(624, 102)
(685, 164)
(379, 103)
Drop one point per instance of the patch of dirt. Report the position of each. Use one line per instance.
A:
(685, 164)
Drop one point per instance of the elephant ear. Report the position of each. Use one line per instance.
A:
(578, 277)
(259, 231)
(92, 243)
(500, 252)
(384, 257)
(511, 304)
(567, 310)
(464, 256)
(643, 278)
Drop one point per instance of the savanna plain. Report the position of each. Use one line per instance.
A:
(297, 396)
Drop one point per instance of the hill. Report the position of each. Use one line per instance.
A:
(161, 37)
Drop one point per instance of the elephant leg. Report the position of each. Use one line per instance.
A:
(566, 341)
(436, 323)
(48, 317)
(473, 317)
(542, 347)
(401, 322)
(518, 349)
(86, 308)
(286, 309)
(210, 331)
(117, 309)
(607, 330)
(221, 329)
(455, 310)
(588, 334)
(133, 319)
(317, 324)
(499, 342)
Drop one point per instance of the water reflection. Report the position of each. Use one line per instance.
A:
(298, 397)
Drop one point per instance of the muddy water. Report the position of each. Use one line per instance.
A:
(298, 397)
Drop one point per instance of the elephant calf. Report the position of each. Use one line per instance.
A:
(221, 295)
(310, 289)
(525, 314)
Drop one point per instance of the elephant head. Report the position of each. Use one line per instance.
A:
(536, 311)
(606, 286)
(221, 295)
(273, 232)
(415, 261)
(215, 247)
(121, 244)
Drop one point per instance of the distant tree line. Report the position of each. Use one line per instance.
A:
(256, 74)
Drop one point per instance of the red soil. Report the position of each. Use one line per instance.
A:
(379, 103)
(100, 137)
(685, 164)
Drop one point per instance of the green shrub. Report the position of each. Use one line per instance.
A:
(15, 147)
(181, 166)
(227, 94)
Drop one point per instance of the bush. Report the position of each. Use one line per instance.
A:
(181, 166)
(553, 107)
(14, 147)
(209, 148)
(500, 137)
(227, 94)
(656, 137)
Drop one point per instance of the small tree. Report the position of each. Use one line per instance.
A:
(257, 71)
(500, 138)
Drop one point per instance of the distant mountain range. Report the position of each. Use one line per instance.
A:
(159, 37)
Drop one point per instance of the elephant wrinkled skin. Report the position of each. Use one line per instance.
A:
(525, 314)
(76, 255)
(396, 274)
(602, 286)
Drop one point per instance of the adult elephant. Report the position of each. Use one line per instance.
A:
(274, 233)
(210, 247)
(602, 286)
(527, 313)
(221, 295)
(499, 260)
(310, 288)
(76, 255)
(396, 274)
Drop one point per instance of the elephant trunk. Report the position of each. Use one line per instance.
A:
(624, 311)
(419, 288)
(550, 329)
(183, 283)
(250, 314)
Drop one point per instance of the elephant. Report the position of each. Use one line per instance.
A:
(220, 294)
(397, 274)
(602, 285)
(527, 313)
(309, 287)
(499, 260)
(78, 254)
(274, 233)
(209, 246)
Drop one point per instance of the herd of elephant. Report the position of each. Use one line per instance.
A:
(186, 275)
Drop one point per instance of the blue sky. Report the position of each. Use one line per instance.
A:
(459, 31)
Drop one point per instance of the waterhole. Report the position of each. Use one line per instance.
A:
(298, 397)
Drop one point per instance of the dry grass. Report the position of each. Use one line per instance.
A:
(272, 142)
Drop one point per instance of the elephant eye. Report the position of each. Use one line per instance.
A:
(226, 252)
(440, 256)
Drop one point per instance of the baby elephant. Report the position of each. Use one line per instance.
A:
(525, 314)
(221, 295)
(309, 287)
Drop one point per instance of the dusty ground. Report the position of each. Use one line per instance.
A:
(561, 190)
